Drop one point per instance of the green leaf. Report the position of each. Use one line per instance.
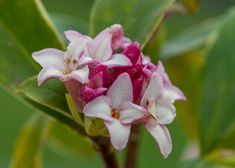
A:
(192, 38)
(51, 94)
(29, 145)
(218, 89)
(29, 24)
(139, 18)
(68, 141)
(14, 66)
(50, 99)
(191, 5)
(95, 127)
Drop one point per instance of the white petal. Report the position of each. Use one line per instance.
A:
(72, 35)
(80, 75)
(49, 57)
(101, 47)
(165, 113)
(121, 90)
(99, 107)
(154, 89)
(119, 133)
(162, 137)
(84, 60)
(76, 48)
(48, 73)
(131, 112)
(118, 60)
(173, 93)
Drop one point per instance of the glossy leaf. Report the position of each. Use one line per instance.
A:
(68, 141)
(51, 94)
(139, 18)
(28, 149)
(192, 38)
(218, 89)
(14, 65)
(37, 31)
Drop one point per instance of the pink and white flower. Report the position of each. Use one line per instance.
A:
(64, 66)
(158, 99)
(117, 110)
(112, 79)
(102, 46)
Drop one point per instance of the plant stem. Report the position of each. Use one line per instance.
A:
(133, 148)
(108, 156)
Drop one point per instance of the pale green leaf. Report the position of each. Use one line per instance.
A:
(139, 18)
(29, 145)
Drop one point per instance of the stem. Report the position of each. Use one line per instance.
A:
(133, 148)
(108, 156)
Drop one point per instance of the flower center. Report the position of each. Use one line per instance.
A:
(70, 64)
(115, 114)
(151, 105)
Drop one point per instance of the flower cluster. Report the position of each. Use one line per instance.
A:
(111, 79)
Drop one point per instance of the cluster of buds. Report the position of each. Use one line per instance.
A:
(111, 79)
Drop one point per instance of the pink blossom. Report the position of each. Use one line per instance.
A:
(117, 110)
(67, 65)
(158, 99)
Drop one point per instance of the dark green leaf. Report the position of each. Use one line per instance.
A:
(50, 99)
(14, 65)
(217, 117)
(28, 149)
(51, 94)
(139, 18)
(29, 24)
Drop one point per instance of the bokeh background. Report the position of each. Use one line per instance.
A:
(13, 114)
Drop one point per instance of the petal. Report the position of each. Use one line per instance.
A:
(165, 113)
(133, 52)
(49, 57)
(87, 94)
(173, 93)
(163, 74)
(72, 35)
(118, 60)
(48, 73)
(131, 112)
(154, 89)
(76, 49)
(161, 135)
(117, 35)
(85, 60)
(121, 90)
(99, 107)
(80, 75)
(100, 48)
(119, 133)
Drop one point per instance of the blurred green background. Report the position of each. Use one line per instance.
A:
(13, 113)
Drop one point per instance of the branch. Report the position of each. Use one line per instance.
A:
(105, 150)
(133, 148)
